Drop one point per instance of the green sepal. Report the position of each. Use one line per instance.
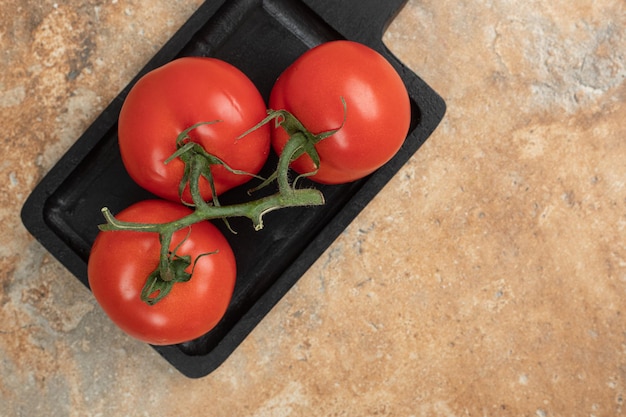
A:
(157, 286)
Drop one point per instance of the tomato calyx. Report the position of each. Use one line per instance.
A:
(198, 163)
(171, 270)
(157, 287)
(301, 141)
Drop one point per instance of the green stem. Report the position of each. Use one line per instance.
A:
(164, 257)
(172, 267)
(253, 210)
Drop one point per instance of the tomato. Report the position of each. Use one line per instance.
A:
(377, 109)
(172, 98)
(121, 261)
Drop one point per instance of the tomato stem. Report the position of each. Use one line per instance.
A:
(172, 268)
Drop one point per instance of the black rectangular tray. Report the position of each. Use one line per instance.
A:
(261, 37)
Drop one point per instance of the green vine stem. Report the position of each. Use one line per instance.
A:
(172, 267)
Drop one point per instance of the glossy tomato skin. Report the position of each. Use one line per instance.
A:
(378, 111)
(176, 96)
(120, 262)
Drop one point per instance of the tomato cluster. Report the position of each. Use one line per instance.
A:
(173, 283)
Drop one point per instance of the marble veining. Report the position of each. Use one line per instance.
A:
(488, 278)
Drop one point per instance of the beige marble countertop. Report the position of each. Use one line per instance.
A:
(487, 279)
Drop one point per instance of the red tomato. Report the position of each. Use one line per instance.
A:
(377, 114)
(121, 261)
(176, 96)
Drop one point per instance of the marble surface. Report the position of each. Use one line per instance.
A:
(487, 279)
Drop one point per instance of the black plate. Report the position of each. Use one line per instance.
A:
(261, 37)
